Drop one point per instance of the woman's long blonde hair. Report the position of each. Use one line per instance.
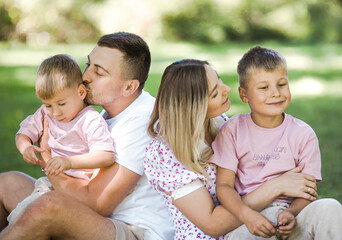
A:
(180, 112)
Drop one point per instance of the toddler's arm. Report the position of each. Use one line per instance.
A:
(92, 160)
(287, 218)
(27, 149)
(256, 223)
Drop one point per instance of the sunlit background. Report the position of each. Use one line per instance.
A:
(307, 32)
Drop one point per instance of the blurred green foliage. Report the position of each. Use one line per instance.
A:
(206, 21)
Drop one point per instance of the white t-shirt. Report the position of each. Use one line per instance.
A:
(143, 207)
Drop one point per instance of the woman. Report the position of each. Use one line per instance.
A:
(188, 112)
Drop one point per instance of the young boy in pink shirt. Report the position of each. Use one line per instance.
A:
(253, 148)
(79, 137)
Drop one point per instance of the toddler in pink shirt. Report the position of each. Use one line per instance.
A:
(79, 137)
(253, 148)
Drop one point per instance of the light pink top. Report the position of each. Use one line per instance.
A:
(87, 132)
(259, 154)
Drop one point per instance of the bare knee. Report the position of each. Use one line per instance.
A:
(12, 179)
(45, 210)
(14, 187)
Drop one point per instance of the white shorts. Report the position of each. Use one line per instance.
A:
(127, 231)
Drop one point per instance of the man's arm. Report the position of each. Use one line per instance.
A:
(104, 192)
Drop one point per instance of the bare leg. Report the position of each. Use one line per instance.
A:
(59, 216)
(14, 187)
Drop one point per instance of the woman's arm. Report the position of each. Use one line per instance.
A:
(199, 208)
(292, 184)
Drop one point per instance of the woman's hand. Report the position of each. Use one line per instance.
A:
(294, 184)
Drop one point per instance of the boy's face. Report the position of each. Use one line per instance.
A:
(268, 95)
(66, 104)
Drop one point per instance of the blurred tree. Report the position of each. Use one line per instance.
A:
(8, 19)
(43, 21)
(325, 20)
(197, 21)
(208, 21)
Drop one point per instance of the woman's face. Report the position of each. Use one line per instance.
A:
(218, 94)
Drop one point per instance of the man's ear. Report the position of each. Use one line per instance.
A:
(82, 91)
(243, 94)
(131, 87)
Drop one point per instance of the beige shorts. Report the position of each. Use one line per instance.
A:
(127, 231)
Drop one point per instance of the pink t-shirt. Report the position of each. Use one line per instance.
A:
(87, 132)
(259, 154)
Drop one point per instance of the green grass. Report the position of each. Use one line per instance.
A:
(315, 73)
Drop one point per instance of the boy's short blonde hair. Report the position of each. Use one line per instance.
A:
(258, 58)
(57, 73)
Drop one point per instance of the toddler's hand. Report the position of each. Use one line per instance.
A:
(56, 165)
(259, 225)
(29, 154)
(286, 222)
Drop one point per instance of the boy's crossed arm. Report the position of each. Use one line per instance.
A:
(287, 218)
(256, 223)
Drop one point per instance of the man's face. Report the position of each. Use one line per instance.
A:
(102, 76)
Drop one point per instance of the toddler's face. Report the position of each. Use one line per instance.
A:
(268, 94)
(66, 104)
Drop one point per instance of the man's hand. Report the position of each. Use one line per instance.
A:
(29, 154)
(43, 143)
(286, 222)
(56, 165)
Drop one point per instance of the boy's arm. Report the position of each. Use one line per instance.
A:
(297, 205)
(96, 159)
(92, 160)
(256, 223)
(27, 149)
(287, 218)
(22, 142)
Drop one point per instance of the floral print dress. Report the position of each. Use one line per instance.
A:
(167, 174)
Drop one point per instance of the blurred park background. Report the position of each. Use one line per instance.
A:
(308, 33)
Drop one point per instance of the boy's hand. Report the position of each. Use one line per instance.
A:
(286, 222)
(259, 225)
(29, 154)
(56, 165)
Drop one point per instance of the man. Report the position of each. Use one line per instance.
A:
(115, 74)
